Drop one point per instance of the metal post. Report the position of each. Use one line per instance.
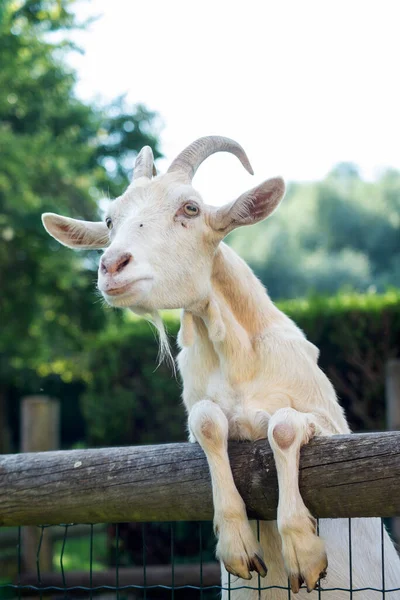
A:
(392, 393)
(40, 432)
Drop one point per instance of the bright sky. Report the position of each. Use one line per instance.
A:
(301, 84)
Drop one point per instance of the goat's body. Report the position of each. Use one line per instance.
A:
(266, 364)
(248, 371)
(366, 560)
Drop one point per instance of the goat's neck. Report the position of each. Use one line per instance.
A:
(234, 316)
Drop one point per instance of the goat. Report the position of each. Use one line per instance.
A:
(248, 371)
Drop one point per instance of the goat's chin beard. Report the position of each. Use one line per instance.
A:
(130, 301)
(125, 302)
(138, 304)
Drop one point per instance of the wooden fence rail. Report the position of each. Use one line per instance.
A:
(342, 476)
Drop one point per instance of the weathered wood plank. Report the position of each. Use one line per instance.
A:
(343, 476)
(40, 431)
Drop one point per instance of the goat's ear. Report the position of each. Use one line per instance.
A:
(74, 233)
(253, 206)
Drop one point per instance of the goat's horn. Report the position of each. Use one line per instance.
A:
(144, 164)
(188, 161)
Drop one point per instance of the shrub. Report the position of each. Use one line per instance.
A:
(128, 399)
(356, 335)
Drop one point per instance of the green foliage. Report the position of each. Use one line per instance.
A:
(62, 155)
(340, 233)
(356, 335)
(58, 155)
(128, 402)
(77, 555)
(127, 399)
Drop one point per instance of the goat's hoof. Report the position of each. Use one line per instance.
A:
(295, 583)
(322, 575)
(304, 553)
(242, 568)
(312, 580)
(239, 570)
(238, 548)
(258, 565)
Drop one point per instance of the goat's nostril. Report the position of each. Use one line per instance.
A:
(124, 260)
(111, 266)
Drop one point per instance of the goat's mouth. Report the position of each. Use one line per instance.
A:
(125, 291)
(117, 291)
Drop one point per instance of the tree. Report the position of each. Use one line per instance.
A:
(342, 232)
(62, 155)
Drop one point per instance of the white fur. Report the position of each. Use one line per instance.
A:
(248, 373)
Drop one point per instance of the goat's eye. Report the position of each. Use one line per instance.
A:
(109, 223)
(191, 210)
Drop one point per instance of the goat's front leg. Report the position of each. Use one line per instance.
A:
(303, 551)
(237, 546)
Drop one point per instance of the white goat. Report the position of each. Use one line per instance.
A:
(248, 371)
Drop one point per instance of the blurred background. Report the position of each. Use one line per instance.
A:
(309, 89)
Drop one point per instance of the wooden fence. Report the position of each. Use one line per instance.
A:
(343, 476)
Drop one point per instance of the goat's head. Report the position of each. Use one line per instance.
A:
(159, 236)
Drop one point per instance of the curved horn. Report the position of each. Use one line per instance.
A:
(188, 161)
(144, 164)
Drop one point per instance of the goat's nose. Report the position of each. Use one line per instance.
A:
(115, 265)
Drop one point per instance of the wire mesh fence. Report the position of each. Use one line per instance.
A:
(147, 561)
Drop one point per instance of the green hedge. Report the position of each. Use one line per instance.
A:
(127, 400)
(356, 335)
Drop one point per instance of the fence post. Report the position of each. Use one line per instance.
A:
(40, 431)
(5, 437)
(392, 393)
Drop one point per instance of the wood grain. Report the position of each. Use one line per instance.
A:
(342, 476)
